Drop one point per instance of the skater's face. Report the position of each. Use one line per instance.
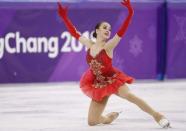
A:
(104, 30)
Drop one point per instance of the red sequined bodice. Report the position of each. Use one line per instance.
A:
(102, 78)
(101, 68)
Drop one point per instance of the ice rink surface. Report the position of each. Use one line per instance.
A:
(63, 107)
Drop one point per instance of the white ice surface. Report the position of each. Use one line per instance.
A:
(63, 107)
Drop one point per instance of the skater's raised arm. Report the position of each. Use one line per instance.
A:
(62, 11)
(112, 43)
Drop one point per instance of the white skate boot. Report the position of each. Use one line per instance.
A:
(164, 123)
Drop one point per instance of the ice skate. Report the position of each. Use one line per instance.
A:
(164, 123)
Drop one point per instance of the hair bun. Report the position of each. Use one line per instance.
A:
(95, 34)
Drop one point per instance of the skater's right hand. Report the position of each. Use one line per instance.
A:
(62, 11)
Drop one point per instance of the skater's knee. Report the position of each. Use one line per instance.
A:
(92, 123)
(102, 119)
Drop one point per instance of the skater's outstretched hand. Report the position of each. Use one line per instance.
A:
(126, 23)
(123, 28)
(62, 11)
(127, 4)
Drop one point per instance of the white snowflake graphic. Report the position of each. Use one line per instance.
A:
(181, 34)
(136, 46)
(15, 73)
(152, 32)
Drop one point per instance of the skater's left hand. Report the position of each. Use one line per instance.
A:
(127, 4)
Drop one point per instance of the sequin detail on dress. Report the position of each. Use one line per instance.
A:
(102, 79)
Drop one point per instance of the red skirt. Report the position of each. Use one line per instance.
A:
(97, 94)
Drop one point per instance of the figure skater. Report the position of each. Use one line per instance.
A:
(102, 80)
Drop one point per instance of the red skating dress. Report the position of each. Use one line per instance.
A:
(102, 79)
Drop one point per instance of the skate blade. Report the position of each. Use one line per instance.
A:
(168, 126)
(164, 123)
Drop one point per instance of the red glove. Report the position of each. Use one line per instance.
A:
(126, 23)
(62, 11)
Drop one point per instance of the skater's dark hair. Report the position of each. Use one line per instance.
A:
(97, 27)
